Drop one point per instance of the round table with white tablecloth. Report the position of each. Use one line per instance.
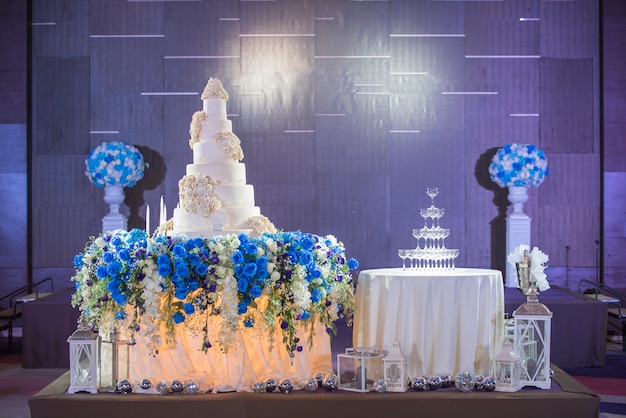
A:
(446, 321)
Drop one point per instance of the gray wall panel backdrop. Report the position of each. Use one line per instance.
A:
(347, 111)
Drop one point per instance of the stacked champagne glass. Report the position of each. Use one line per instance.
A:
(431, 252)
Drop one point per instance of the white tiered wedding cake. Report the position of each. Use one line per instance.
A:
(214, 198)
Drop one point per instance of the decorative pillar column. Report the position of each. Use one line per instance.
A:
(114, 197)
(518, 167)
(517, 228)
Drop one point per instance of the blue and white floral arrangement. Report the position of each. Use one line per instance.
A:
(521, 165)
(114, 163)
(148, 286)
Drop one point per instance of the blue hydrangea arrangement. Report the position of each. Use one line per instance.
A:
(148, 285)
(519, 165)
(114, 163)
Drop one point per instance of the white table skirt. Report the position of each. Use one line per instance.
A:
(446, 322)
(250, 360)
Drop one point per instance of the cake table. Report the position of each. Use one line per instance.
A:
(446, 321)
(251, 359)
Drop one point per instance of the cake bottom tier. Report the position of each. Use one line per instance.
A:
(232, 220)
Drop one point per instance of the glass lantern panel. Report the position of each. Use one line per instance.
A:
(83, 357)
(395, 375)
(356, 373)
(531, 345)
(393, 372)
(114, 364)
(507, 373)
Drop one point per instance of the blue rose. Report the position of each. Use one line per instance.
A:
(165, 270)
(239, 271)
(248, 322)
(243, 239)
(120, 315)
(242, 308)
(261, 262)
(353, 264)
(188, 308)
(307, 242)
(316, 273)
(163, 259)
(116, 241)
(113, 285)
(201, 270)
(78, 261)
(256, 291)
(101, 272)
(193, 259)
(178, 317)
(114, 269)
(316, 295)
(249, 270)
(251, 248)
(124, 254)
(305, 258)
(120, 298)
(177, 280)
(242, 284)
(237, 257)
(182, 270)
(108, 257)
(262, 275)
(179, 251)
(181, 293)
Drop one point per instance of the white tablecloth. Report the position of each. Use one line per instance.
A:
(446, 322)
(250, 360)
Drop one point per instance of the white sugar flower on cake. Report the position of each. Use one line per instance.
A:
(260, 225)
(214, 90)
(196, 126)
(197, 194)
(229, 144)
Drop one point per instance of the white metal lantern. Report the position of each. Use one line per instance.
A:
(507, 369)
(358, 369)
(114, 361)
(532, 329)
(83, 360)
(395, 369)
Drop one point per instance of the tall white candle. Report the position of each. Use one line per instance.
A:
(162, 211)
(147, 218)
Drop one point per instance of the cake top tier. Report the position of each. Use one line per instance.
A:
(214, 90)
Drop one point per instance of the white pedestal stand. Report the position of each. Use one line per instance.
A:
(114, 197)
(517, 228)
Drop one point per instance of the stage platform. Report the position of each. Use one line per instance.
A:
(578, 326)
(566, 398)
(46, 325)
